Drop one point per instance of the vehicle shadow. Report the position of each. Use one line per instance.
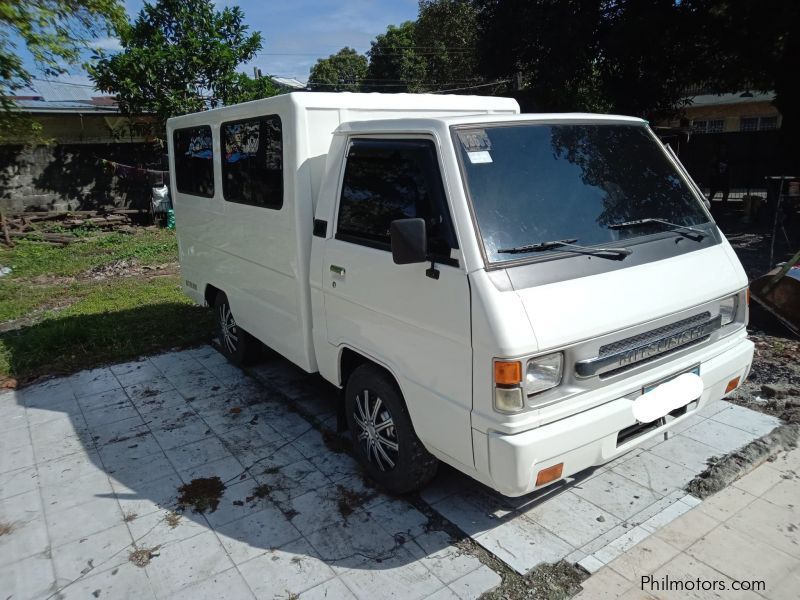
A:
(184, 458)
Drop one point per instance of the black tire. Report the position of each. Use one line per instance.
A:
(237, 346)
(400, 471)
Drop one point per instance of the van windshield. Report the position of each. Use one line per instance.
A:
(531, 184)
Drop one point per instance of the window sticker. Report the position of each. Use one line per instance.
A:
(480, 157)
(241, 141)
(200, 145)
(475, 140)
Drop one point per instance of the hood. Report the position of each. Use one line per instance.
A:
(566, 312)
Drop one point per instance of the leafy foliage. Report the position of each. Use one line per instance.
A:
(394, 63)
(55, 33)
(180, 56)
(340, 72)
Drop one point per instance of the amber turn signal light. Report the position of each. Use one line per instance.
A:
(507, 372)
(732, 385)
(549, 474)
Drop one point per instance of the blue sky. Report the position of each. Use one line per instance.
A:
(297, 32)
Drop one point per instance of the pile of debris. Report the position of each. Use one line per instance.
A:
(60, 228)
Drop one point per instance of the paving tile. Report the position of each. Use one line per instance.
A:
(523, 544)
(134, 471)
(256, 533)
(123, 430)
(15, 438)
(437, 552)
(18, 458)
(185, 562)
(759, 480)
(590, 564)
(396, 577)
(126, 451)
(228, 584)
(622, 544)
(174, 431)
(398, 517)
(246, 438)
(616, 494)
(336, 466)
(60, 447)
(18, 481)
(62, 470)
(655, 473)
(474, 512)
(476, 583)
(712, 408)
(605, 584)
(14, 417)
(139, 372)
(742, 557)
(726, 503)
(290, 481)
(687, 452)
(353, 541)
(775, 525)
(28, 537)
(572, 518)
(45, 393)
(146, 393)
(198, 453)
(155, 529)
(28, 578)
(148, 496)
(80, 521)
(63, 410)
(333, 589)
(229, 470)
(290, 570)
(785, 589)
(92, 381)
(643, 559)
(719, 435)
(98, 552)
(786, 494)
(315, 509)
(686, 568)
(687, 529)
(76, 491)
(752, 421)
(237, 501)
(123, 581)
(117, 409)
(665, 516)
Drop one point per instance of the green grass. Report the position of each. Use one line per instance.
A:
(31, 259)
(67, 323)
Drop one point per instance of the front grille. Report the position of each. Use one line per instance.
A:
(652, 335)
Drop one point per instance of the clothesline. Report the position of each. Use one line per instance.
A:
(131, 172)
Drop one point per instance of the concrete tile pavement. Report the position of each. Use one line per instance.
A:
(90, 467)
(746, 537)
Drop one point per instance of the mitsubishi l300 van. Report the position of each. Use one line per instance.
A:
(520, 296)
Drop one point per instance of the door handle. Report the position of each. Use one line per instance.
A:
(337, 270)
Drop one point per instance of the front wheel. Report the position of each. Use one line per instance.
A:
(384, 440)
(235, 343)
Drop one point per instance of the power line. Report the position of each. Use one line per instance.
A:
(472, 87)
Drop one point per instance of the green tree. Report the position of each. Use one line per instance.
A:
(446, 34)
(340, 72)
(55, 33)
(179, 56)
(394, 63)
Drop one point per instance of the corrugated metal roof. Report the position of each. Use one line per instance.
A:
(61, 97)
(41, 106)
(289, 82)
(737, 98)
(54, 91)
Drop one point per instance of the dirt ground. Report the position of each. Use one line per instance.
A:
(773, 386)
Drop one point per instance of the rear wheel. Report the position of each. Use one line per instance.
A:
(384, 440)
(235, 343)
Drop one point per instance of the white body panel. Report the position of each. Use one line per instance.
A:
(439, 337)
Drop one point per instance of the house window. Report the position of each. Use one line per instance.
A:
(708, 126)
(194, 161)
(386, 180)
(252, 162)
(758, 123)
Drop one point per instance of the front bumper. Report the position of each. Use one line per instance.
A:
(590, 438)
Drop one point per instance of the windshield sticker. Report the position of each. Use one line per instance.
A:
(475, 140)
(481, 157)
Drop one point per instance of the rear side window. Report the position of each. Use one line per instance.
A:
(194, 161)
(252, 162)
(386, 180)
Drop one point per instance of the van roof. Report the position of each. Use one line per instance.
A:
(370, 102)
(430, 123)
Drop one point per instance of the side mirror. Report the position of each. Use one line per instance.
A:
(409, 241)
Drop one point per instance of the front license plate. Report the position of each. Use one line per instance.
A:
(652, 386)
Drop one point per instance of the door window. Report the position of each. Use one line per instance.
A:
(386, 180)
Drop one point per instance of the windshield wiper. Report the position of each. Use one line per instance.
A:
(699, 234)
(618, 253)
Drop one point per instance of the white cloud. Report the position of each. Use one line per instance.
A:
(107, 43)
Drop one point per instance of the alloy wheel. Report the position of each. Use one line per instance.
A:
(376, 430)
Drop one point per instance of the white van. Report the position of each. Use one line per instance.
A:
(521, 296)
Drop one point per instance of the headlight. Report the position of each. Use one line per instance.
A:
(728, 309)
(543, 373)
